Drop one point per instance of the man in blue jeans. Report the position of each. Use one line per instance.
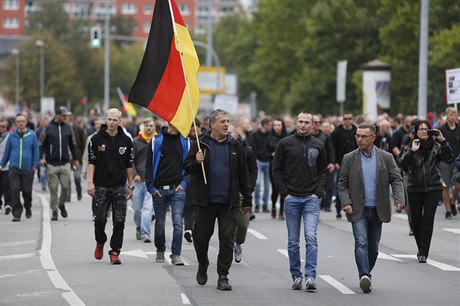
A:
(366, 174)
(299, 174)
(166, 181)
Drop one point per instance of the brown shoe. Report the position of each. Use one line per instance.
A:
(99, 251)
(114, 259)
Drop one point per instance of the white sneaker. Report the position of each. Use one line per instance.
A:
(365, 284)
(238, 252)
(176, 260)
(310, 283)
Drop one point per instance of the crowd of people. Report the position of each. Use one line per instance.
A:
(226, 169)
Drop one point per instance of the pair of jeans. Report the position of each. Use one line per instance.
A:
(308, 208)
(58, 175)
(203, 229)
(104, 198)
(263, 172)
(43, 174)
(176, 200)
(21, 180)
(367, 232)
(143, 208)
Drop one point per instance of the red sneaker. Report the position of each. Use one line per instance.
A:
(114, 259)
(99, 251)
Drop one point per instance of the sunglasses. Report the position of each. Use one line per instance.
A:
(350, 118)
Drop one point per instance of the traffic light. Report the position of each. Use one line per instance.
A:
(95, 38)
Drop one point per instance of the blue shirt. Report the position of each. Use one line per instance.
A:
(369, 166)
(219, 172)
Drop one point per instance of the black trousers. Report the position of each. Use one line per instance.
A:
(5, 189)
(21, 181)
(275, 194)
(104, 198)
(203, 229)
(188, 211)
(423, 209)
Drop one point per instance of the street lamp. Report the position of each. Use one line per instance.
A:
(16, 104)
(41, 45)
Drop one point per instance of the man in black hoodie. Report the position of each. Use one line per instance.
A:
(110, 157)
(299, 173)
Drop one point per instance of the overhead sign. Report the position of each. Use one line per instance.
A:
(341, 80)
(211, 80)
(453, 86)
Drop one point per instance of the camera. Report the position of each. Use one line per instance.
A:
(433, 133)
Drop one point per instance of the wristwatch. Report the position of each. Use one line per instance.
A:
(131, 187)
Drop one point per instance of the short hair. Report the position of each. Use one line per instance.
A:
(367, 125)
(114, 111)
(147, 120)
(451, 109)
(215, 113)
(21, 115)
(266, 120)
(306, 113)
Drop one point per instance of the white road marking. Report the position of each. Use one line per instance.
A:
(14, 243)
(388, 257)
(185, 299)
(135, 253)
(400, 216)
(18, 256)
(452, 230)
(257, 234)
(336, 284)
(434, 263)
(47, 260)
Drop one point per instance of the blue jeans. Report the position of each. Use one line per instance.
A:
(263, 171)
(160, 205)
(294, 209)
(367, 232)
(143, 208)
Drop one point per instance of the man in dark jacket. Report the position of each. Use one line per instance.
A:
(55, 141)
(299, 173)
(110, 157)
(218, 198)
(343, 140)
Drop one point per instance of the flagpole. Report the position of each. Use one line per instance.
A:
(186, 85)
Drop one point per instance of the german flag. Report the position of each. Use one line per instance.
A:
(160, 84)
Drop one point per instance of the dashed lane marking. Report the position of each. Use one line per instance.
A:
(387, 257)
(434, 263)
(47, 260)
(19, 273)
(17, 256)
(257, 234)
(185, 299)
(15, 243)
(336, 284)
(452, 230)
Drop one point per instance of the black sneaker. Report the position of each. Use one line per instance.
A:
(79, 196)
(7, 209)
(202, 275)
(453, 209)
(223, 284)
(188, 236)
(448, 215)
(252, 216)
(257, 209)
(55, 216)
(338, 216)
(28, 213)
(16, 219)
(63, 212)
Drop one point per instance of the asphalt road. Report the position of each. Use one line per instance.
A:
(51, 263)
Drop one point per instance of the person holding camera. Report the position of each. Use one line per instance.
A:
(420, 159)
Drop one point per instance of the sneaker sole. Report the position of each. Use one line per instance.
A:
(365, 285)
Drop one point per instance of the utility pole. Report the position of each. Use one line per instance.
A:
(209, 33)
(107, 58)
(423, 59)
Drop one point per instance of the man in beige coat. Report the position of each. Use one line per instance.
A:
(366, 175)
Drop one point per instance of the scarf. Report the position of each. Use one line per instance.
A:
(425, 148)
(146, 137)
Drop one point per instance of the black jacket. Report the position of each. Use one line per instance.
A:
(111, 156)
(343, 141)
(299, 166)
(260, 143)
(251, 163)
(55, 141)
(423, 173)
(239, 182)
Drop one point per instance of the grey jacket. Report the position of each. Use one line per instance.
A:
(351, 184)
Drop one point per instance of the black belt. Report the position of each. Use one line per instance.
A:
(167, 187)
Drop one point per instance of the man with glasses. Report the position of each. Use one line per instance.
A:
(368, 171)
(22, 152)
(4, 178)
(343, 140)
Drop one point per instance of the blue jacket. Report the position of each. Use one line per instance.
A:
(153, 161)
(22, 152)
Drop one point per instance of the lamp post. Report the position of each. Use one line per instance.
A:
(16, 104)
(41, 45)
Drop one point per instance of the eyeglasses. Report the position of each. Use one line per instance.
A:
(363, 136)
(316, 122)
(349, 118)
